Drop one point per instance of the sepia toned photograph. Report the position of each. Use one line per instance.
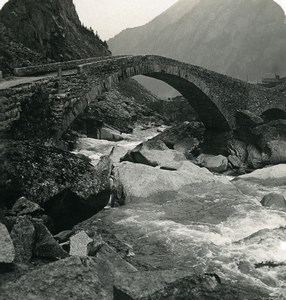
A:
(142, 149)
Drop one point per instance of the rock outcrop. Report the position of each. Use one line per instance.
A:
(36, 32)
(53, 29)
(14, 54)
(66, 186)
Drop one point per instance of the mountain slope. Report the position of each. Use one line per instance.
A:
(50, 28)
(240, 38)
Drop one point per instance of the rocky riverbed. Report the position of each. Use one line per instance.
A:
(172, 230)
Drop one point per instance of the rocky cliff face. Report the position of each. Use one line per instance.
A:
(245, 38)
(14, 54)
(50, 28)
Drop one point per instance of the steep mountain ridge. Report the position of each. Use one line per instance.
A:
(49, 28)
(243, 39)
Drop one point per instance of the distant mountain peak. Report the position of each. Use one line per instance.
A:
(241, 38)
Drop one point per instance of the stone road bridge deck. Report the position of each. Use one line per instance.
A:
(214, 96)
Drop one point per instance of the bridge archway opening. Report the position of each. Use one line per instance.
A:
(273, 114)
(209, 113)
(171, 103)
(158, 87)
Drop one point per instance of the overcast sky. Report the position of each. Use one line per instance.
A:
(109, 17)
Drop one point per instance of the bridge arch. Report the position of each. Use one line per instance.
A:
(211, 94)
(273, 114)
(214, 96)
(210, 112)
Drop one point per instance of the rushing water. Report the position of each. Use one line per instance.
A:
(249, 246)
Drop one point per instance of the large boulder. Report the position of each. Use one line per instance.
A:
(234, 161)
(141, 181)
(110, 134)
(7, 251)
(238, 148)
(75, 277)
(86, 242)
(273, 176)
(70, 278)
(181, 285)
(25, 207)
(175, 134)
(213, 163)
(273, 130)
(254, 159)
(153, 153)
(23, 236)
(79, 244)
(45, 246)
(277, 149)
(275, 201)
(262, 181)
(66, 186)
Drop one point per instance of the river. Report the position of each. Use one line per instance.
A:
(230, 233)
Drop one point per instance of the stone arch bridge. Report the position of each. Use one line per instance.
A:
(214, 96)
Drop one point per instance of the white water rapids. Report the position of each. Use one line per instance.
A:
(248, 246)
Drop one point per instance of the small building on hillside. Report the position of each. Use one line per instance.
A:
(271, 80)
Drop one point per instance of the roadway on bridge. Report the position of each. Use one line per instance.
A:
(15, 81)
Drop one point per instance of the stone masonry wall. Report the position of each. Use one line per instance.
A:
(69, 96)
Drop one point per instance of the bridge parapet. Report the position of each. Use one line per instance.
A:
(53, 67)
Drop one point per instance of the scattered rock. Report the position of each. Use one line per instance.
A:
(45, 245)
(23, 236)
(274, 200)
(25, 207)
(217, 163)
(234, 161)
(7, 252)
(79, 244)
